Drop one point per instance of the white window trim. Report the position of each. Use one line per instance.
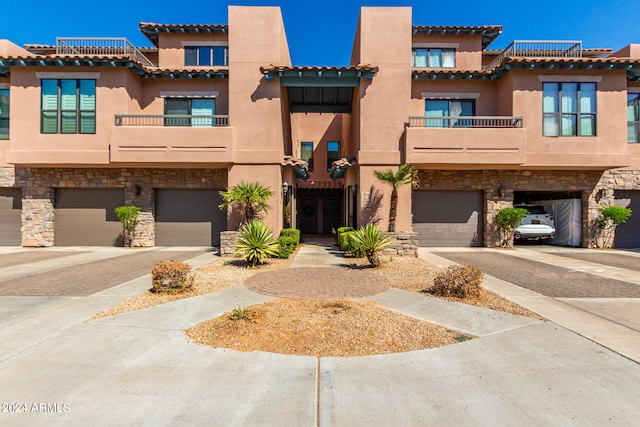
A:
(67, 75)
(435, 45)
(204, 43)
(450, 95)
(189, 94)
(570, 79)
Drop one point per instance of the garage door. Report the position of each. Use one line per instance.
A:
(448, 218)
(189, 217)
(628, 234)
(10, 216)
(85, 217)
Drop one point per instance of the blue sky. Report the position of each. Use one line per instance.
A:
(322, 32)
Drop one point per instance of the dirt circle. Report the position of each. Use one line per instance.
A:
(318, 283)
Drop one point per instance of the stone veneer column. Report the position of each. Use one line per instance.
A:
(37, 216)
(145, 232)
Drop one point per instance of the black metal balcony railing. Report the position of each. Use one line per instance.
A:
(99, 46)
(466, 122)
(170, 120)
(539, 49)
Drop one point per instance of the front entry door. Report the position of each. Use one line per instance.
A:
(330, 215)
(309, 217)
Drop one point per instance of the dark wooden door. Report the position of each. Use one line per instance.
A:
(309, 216)
(330, 215)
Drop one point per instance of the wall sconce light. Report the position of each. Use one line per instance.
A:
(285, 188)
(136, 190)
(501, 191)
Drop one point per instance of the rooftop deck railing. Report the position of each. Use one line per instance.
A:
(540, 49)
(170, 120)
(99, 46)
(466, 122)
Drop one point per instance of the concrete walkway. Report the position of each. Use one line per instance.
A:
(139, 369)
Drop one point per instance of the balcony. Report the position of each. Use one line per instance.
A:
(172, 139)
(539, 49)
(456, 141)
(99, 46)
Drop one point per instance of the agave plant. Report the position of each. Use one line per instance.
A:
(256, 242)
(371, 239)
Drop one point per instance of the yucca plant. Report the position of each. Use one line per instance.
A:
(371, 239)
(256, 242)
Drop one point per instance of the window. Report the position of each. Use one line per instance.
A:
(192, 109)
(333, 153)
(206, 55)
(448, 109)
(68, 106)
(633, 117)
(306, 153)
(569, 109)
(4, 113)
(433, 58)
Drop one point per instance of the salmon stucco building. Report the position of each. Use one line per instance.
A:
(90, 124)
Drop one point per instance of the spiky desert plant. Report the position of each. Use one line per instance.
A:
(371, 239)
(256, 242)
(405, 174)
(250, 197)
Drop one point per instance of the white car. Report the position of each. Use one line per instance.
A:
(536, 225)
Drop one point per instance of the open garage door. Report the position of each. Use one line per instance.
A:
(448, 218)
(85, 217)
(10, 216)
(628, 234)
(189, 217)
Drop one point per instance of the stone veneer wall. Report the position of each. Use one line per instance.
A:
(587, 182)
(227, 239)
(39, 184)
(404, 244)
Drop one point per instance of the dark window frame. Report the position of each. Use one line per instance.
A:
(187, 121)
(332, 159)
(578, 114)
(446, 122)
(77, 111)
(4, 121)
(310, 159)
(428, 50)
(208, 60)
(636, 122)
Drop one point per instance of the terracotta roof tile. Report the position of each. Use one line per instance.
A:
(359, 67)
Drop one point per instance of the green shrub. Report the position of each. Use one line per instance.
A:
(171, 277)
(256, 242)
(371, 240)
(458, 281)
(350, 245)
(286, 246)
(128, 217)
(507, 220)
(291, 232)
(610, 218)
(341, 234)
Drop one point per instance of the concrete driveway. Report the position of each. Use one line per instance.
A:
(139, 369)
